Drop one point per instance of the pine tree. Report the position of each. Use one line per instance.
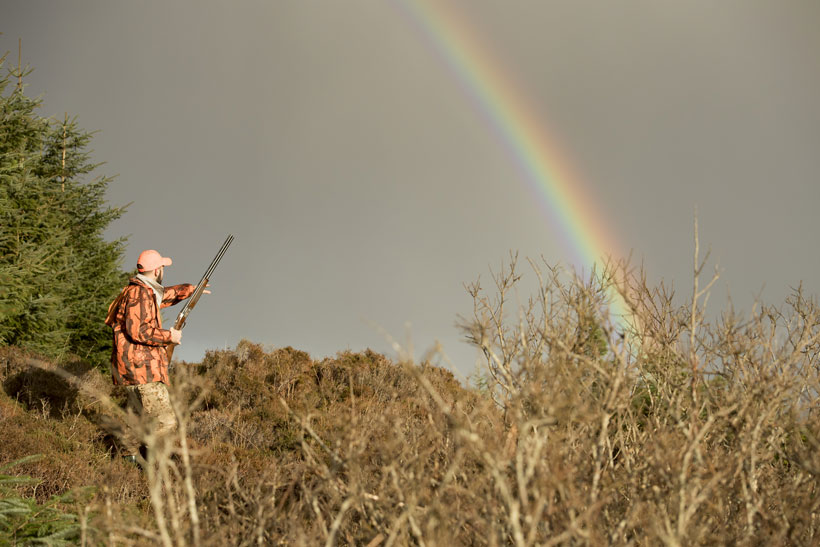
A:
(25, 522)
(33, 315)
(94, 262)
(57, 272)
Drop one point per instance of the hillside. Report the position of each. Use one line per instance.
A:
(276, 434)
(568, 440)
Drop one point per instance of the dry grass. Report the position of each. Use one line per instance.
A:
(676, 430)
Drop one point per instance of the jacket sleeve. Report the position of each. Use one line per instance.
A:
(139, 320)
(176, 293)
(111, 317)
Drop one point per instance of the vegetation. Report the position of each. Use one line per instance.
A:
(57, 272)
(23, 520)
(650, 440)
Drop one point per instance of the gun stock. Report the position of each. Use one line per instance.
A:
(182, 318)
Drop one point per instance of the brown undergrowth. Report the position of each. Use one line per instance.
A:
(661, 427)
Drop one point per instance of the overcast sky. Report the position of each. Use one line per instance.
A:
(364, 188)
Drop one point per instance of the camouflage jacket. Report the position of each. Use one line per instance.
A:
(138, 355)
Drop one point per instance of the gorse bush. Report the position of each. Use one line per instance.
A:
(57, 272)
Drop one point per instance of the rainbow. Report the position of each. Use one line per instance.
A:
(562, 197)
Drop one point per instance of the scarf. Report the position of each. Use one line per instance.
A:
(158, 289)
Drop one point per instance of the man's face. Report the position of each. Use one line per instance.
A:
(160, 273)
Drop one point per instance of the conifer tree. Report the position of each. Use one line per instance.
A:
(94, 262)
(57, 272)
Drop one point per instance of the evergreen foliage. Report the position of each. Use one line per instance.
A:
(24, 521)
(57, 272)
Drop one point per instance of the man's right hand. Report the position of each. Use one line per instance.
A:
(176, 336)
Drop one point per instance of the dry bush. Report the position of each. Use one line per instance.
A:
(657, 428)
(670, 429)
(677, 431)
(342, 448)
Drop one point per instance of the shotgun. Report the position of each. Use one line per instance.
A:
(183, 315)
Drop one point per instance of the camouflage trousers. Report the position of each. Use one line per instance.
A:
(149, 402)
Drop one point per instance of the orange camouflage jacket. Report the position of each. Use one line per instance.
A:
(138, 355)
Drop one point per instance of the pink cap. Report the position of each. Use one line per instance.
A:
(151, 260)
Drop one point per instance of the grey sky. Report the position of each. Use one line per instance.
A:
(361, 184)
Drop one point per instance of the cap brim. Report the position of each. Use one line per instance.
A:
(166, 261)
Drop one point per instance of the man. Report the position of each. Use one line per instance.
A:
(139, 360)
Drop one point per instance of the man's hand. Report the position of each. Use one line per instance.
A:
(205, 289)
(176, 336)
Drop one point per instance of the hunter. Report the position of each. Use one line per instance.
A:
(139, 360)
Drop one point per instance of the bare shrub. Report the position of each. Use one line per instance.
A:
(681, 432)
(659, 427)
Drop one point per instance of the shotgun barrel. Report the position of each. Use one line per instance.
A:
(182, 318)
